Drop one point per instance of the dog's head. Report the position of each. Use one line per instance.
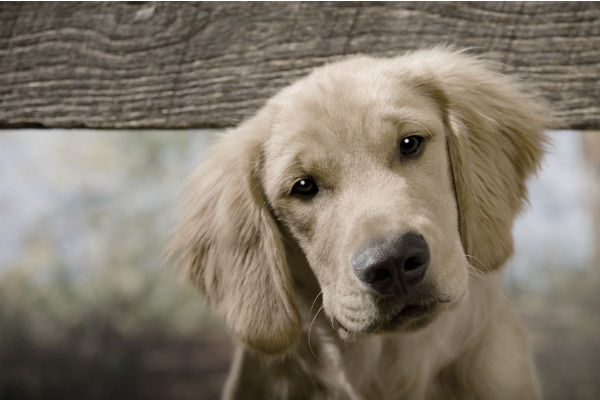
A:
(385, 179)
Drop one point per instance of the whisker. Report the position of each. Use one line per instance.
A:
(314, 302)
(474, 270)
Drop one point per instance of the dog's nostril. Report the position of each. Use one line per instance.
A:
(380, 275)
(413, 263)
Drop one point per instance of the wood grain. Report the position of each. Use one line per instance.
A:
(125, 65)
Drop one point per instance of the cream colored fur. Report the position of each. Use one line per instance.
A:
(276, 268)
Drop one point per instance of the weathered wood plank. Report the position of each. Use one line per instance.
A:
(211, 64)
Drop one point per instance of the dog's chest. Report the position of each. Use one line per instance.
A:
(380, 367)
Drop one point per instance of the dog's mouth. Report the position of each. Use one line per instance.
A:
(409, 317)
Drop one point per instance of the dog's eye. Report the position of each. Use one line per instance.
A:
(305, 187)
(411, 145)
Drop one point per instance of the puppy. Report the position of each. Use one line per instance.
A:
(351, 234)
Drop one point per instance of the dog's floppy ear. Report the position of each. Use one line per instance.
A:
(231, 247)
(495, 141)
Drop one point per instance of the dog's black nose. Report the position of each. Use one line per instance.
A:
(392, 265)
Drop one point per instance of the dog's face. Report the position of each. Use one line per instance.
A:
(389, 178)
(355, 168)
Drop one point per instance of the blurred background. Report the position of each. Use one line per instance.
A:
(89, 309)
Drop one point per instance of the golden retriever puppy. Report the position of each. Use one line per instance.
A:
(351, 234)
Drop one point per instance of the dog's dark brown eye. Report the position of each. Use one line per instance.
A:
(411, 145)
(305, 187)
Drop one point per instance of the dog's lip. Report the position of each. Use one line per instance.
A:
(408, 313)
(411, 311)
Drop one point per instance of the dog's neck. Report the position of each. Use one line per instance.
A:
(325, 364)
(334, 353)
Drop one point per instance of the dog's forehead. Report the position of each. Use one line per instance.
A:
(336, 100)
(337, 119)
(351, 106)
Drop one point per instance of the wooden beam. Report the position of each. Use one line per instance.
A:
(123, 65)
